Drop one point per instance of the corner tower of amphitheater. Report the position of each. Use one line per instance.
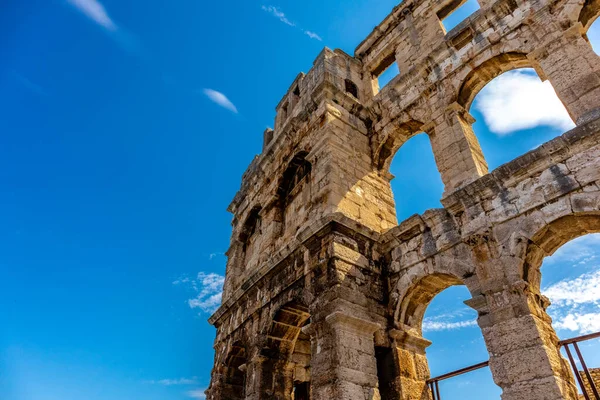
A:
(325, 290)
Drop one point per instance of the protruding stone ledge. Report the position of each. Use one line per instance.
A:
(409, 341)
(352, 323)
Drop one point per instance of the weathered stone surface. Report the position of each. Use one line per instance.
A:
(325, 292)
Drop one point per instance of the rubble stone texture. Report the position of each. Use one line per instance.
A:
(325, 292)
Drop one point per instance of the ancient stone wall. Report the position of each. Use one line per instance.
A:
(325, 292)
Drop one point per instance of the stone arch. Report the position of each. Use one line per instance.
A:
(480, 76)
(553, 236)
(285, 328)
(249, 232)
(234, 372)
(399, 135)
(589, 13)
(291, 184)
(415, 291)
(296, 170)
(286, 367)
(416, 301)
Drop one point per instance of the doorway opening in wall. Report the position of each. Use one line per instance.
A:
(301, 391)
(386, 373)
(235, 376)
(457, 342)
(570, 279)
(515, 113)
(417, 185)
(288, 348)
(455, 12)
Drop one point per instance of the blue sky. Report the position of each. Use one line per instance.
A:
(126, 129)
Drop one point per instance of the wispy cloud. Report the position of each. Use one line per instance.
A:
(313, 35)
(208, 288)
(431, 325)
(578, 252)
(582, 323)
(197, 394)
(176, 382)
(519, 100)
(220, 99)
(95, 11)
(212, 256)
(277, 13)
(571, 292)
(576, 303)
(576, 300)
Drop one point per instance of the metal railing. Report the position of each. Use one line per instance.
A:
(592, 384)
(434, 388)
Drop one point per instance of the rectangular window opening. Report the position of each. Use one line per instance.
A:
(456, 12)
(386, 76)
(386, 373)
(384, 72)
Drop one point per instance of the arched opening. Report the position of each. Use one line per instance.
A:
(515, 111)
(286, 371)
(249, 235)
(457, 342)
(293, 192)
(442, 336)
(593, 28)
(235, 373)
(563, 267)
(414, 178)
(589, 13)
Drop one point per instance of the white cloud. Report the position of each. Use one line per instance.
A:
(579, 251)
(176, 382)
(276, 12)
(313, 35)
(572, 292)
(181, 280)
(582, 323)
(520, 100)
(95, 11)
(576, 299)
(208, 288)
(432, 324)
(197, 394)
(220, 99)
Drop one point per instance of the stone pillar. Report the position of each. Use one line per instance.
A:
(273, 380)
(456, 149)
(343, 364)
(525, 359)
(254, 372)
(411, 364)
(571, 65)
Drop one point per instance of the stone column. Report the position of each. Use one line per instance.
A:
(525, 359)
(273, 380)
(456, 149)
(571, 65)
(343, 364)
(254, 372)
(411, 364)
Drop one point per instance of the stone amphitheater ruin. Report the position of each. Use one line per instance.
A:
(325, 292)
